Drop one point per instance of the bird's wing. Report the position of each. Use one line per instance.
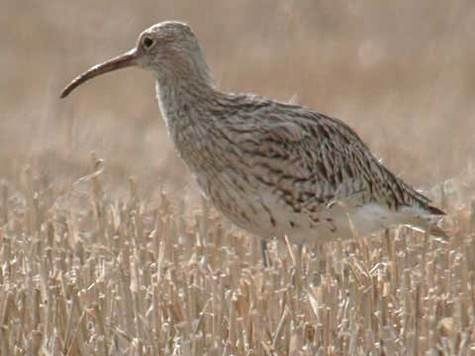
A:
(306, 154)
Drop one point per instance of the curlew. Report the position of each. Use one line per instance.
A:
(272, 168)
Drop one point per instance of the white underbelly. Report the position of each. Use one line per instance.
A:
(264, 214)
(334, 223)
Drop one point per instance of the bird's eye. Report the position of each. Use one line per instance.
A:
(148, 42)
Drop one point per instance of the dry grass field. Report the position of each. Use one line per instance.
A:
(107, 248)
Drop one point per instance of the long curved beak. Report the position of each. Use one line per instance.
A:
(127, 59)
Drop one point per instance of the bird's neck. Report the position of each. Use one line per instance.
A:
(182, 72)
(183, 81)
(187, 113)
(178, 96)
(184, 101)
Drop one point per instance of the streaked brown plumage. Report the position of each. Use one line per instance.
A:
(270, 167)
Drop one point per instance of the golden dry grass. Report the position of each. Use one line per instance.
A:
(107, 265)
(139, 276)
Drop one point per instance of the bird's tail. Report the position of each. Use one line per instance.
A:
(432, 210)
(426, 219)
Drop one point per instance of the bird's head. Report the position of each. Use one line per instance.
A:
(170, 49)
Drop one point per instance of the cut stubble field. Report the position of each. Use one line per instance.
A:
(85, 273)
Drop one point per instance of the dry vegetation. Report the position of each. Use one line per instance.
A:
(92, 262)
(84, 273)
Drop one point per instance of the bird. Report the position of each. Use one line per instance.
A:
(275, 169)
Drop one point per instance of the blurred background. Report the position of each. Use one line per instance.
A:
(400, 73)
